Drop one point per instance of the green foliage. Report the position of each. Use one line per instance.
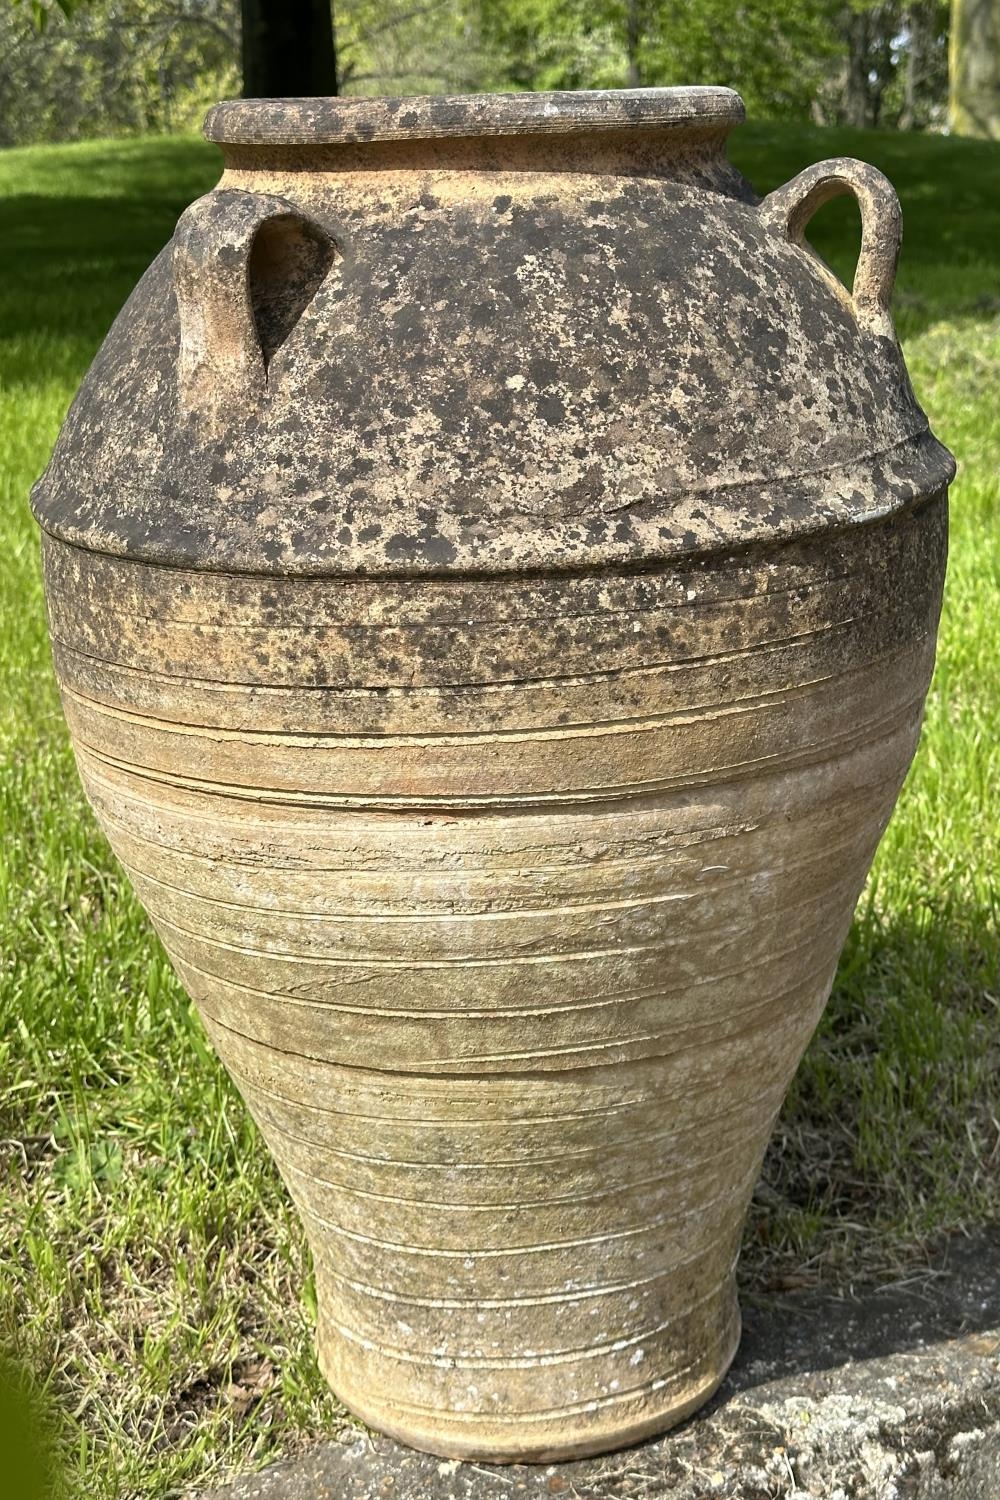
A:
(123, 66)
(778, 53)
(548, 44)
(40, 10)
(114, 67)
(835, 61)
(409, 47)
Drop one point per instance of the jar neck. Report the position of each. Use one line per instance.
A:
(638, 132)
(679, 152)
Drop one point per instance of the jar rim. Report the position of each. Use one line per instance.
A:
(358, 120)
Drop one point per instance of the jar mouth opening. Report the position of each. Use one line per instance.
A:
(358, 120)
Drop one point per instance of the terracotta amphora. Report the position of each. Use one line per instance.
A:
(493, 568)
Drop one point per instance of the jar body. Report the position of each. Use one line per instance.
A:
(512, 971)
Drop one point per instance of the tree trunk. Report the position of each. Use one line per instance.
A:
(633, 36)
(915, 21)
(288, 49)
(974, 65)
(857, 96)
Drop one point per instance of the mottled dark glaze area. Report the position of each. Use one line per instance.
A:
(349, 656)
(507, 366)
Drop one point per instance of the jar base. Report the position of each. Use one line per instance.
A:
(562, 1439)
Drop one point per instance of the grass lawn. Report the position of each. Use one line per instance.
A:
(151, 1269)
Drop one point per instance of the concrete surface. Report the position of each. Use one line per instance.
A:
(892, 1394)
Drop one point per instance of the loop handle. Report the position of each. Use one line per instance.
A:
(245, 266)
(788, 210)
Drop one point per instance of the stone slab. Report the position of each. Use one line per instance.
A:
(887, 1394)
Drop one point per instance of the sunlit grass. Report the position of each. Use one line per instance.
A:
(151, 1269)
(891, 1134)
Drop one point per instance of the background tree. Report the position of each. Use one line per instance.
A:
(114, 67)
(780, 54)
(869, 31)
(120, 66)
(925, 76)
(410, 47)
(974, 105)
(288, 48)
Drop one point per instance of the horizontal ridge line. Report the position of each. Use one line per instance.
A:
(529, 804)
(540, 1360)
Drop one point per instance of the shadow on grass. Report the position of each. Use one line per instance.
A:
(958, 1296)
(889, 1131)
(69, 260)
(28, 1426)
(67, 265)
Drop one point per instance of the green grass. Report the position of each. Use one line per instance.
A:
(151, 1273)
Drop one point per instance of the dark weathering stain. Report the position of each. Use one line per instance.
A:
(425, 546)
(551, 410)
